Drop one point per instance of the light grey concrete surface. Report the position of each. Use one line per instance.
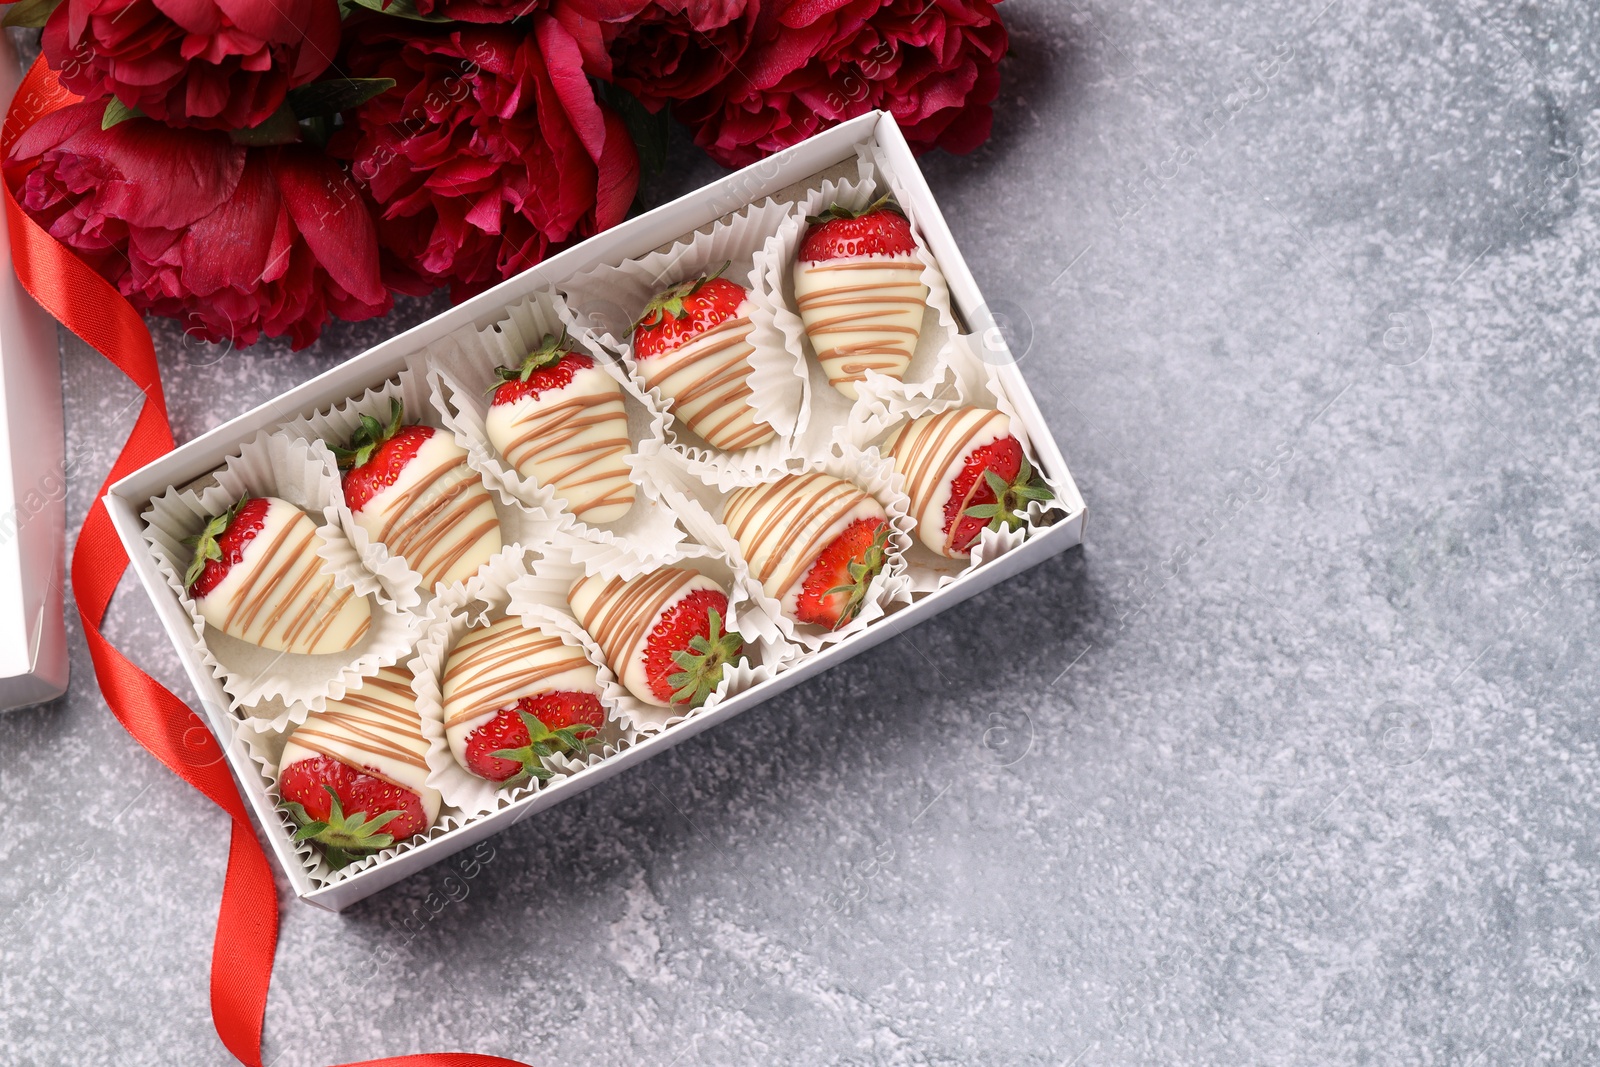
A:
(1297, 759)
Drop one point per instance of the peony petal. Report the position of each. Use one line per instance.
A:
(164, 177)
(229, 248)
(331, 217)
(564, 64)
(619, 174)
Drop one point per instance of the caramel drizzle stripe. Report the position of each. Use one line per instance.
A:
(929, 454)
(408, 499)
(815, 502)
(424, 540)
(553, 427)
(482, 687)
(329, 616)
(717, 390)
(303, 572)
(883, 264)
(363, 734)
(378, 704)
(623, 613)
(252, 598)
(427, 528)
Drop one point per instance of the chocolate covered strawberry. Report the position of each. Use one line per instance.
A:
(813, 541)
(411, 489)
(514, 695)
(256, 576)
(558, 419)
(964, 472)
(858, 287)
(693, 344)
(662, 633)
(354, 775)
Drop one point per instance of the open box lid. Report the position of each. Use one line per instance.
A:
(33, 481)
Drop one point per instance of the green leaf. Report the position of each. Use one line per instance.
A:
(117, 111)
(335, 95)
(984, 511)
(310, 830)
(649, 130)
(279, 128)
(30, 14)
(404, 9)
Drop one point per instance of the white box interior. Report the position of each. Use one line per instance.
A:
(128, 498)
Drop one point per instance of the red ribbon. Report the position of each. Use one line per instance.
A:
(89, 306)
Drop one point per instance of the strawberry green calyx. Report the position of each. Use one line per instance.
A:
(839, 211)
(369, 437)
(702, 663)
(343, 840)
(1009, 510)
(547, 354)
(542, 742)
(862, 571)
(670, 302)
(207, 543)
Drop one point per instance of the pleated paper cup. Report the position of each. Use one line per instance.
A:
(286, 686)
(605, 301)
(978, 385)
(520, 527)
(701, 506)
(929, 375)
(767, 650)
(461, 372)
(263, 748)
(483, 601)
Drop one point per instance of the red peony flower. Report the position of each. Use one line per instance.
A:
(660, 50)
(214, 64)
(932, 63)
(484, 156)
(234, 242)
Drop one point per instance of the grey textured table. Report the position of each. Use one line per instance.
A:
(1295, 762)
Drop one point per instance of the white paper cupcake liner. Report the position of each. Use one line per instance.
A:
(701, 505)
(287, 686)
(483, 600)
(929, 374)
(461, 375)
(520, 527)
(605, 300)
(545, 588)
(977, 385)
(263, 748)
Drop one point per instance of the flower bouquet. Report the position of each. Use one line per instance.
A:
(256, 168)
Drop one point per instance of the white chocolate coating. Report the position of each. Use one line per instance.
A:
(930, 452)
(574, 440)
(862, 313)
(706, 380)
(375, 728)
(619, 615)
(495, 666)
(437, 515)
(276, 595)
(784, 525)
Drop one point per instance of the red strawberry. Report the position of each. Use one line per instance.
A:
(685, 311)
(993, 488)
(344, 810)
(685, 653)
(510, 747)
(839, 233)
(221, 544)
(550, 366)
(836, 586)
(377, 454)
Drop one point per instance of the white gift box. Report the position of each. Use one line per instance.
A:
(875, 135)
(33, 482)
